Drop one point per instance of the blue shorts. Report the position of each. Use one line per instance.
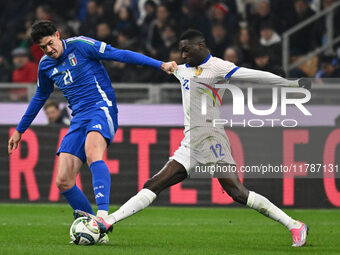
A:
(102, 119)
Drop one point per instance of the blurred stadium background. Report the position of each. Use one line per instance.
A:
(292, 38)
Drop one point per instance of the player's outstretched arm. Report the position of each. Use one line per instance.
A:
(266, 78)
(14, 141)
(102, 51)
(131, 57)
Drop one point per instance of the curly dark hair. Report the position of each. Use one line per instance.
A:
(42, 28)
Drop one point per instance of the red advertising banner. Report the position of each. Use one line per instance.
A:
(29, 174)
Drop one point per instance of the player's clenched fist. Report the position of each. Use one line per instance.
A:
(13, 141)
(169, 67)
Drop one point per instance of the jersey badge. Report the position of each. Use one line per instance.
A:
(72, 59)
(198, 71)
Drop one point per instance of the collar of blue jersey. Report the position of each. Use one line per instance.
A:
(64, 43)
(205, 61)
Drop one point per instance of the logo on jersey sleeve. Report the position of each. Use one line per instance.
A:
(72, 59)
(55, 71)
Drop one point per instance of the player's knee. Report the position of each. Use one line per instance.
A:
(89, 161)
(91, 157)
(64, 184)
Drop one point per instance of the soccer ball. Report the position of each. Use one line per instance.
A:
(84, 231)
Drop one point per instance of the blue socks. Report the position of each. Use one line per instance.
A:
(76, 198)
(101, 181)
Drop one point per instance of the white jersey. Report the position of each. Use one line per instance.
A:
(198, 87)
(203, 143)
(201, 138)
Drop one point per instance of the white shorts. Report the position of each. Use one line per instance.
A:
(203, 146)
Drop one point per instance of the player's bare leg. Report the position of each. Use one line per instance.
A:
(232, 185)
(235, 188)
(171, 174)
(68, 169)
(95, 146)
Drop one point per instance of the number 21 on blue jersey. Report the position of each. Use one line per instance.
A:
(67, 77)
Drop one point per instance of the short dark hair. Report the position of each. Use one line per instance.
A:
(42, 28)
(192, 34)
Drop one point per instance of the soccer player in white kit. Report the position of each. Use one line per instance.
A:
(200, 136)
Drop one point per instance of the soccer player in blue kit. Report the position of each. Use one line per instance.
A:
(74, 65)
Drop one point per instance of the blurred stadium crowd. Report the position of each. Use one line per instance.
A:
(246, 32)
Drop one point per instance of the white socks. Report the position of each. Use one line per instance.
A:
(135, 204)
(264, 206)
(255, 201)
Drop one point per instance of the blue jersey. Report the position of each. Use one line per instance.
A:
(80, 75)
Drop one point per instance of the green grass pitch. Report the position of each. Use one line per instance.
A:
(44, 229)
